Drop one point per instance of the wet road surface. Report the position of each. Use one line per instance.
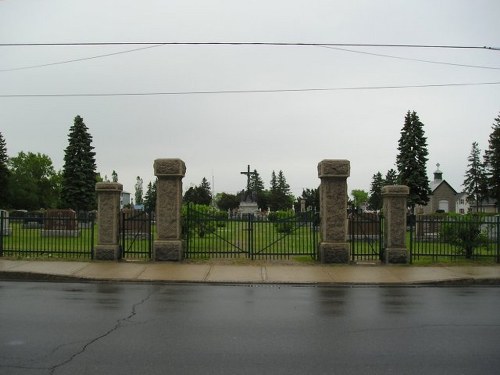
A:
(107, 328)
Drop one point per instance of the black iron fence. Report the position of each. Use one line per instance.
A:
(365, 234)
(137, 229)
(434, 238)
(60, 235)
(284, 235)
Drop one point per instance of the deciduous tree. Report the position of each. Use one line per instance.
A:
(34, 184)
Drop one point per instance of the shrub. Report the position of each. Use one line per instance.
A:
(284, 221)
(463, 232)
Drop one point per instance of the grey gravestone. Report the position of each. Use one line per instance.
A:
(60, 223)
(4, 215)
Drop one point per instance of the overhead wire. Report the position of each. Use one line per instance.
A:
(204, 92)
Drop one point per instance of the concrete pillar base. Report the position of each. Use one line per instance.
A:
(168, 250)
(396, 255)
(334, 252)
(107, 252)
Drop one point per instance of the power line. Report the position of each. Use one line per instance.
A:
(263, 91)
(80, 59)
(247, 44)
(413, 59)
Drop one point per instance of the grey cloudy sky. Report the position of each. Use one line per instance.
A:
(219, 134)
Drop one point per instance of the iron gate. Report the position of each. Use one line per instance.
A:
(136, 234)
(365, 233)
(276, 236)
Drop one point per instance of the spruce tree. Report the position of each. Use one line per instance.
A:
(412, 159)
(79, 170)
(375, 199)
(256, 183)
(150, 198)
(280, 197)
(4, 173)
(475, 183)
(492, 162)
(391, 177)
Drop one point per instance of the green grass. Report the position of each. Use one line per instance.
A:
(29, 242)
(237, 238)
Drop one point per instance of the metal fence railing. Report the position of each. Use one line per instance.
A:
(63, 236)
(434, 238)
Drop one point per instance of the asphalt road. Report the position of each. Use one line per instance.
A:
(85, 328)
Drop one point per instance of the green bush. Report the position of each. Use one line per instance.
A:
(284, 221)
(202, 219)
(463, 232)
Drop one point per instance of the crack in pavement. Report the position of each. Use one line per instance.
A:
(118, 325)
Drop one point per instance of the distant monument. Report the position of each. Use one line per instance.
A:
(248, 198)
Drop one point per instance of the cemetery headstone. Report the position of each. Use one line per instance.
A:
(4, 222)
(60, 223)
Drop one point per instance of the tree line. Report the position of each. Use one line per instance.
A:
(277, 198)
(482, 176)
(29, 180)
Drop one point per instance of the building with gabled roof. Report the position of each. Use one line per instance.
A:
(443, 197)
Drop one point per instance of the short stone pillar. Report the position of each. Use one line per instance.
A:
(169, 244)
(395, 210)
(333, 247)
(108, 219)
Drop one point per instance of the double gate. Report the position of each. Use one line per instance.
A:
(277, 236)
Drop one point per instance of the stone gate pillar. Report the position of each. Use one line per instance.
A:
(395, 210)
(333, 247)
(169, 244)
(108, 218)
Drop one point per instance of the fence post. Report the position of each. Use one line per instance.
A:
(108, 219)
(1, 233)
(333, 247)
(169, 244)
(497, 233)
(395, 210)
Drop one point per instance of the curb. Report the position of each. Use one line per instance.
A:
(40, 277)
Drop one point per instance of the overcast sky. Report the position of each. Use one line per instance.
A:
(218, 134)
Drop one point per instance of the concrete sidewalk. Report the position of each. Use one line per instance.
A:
(264, 273)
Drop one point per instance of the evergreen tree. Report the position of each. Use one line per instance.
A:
(150, 197)
(475, 183)
(375, 199)
(311, 196)
(280, 197)
(391, 177)
(412, 159)
(492, 162)
(200, 194)
(79, 170)
(4, 173)
(139, 191)
(256, 183)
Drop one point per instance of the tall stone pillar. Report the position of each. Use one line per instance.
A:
(169, 244)
(395, 210)
(108, 218)
(333, 247)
